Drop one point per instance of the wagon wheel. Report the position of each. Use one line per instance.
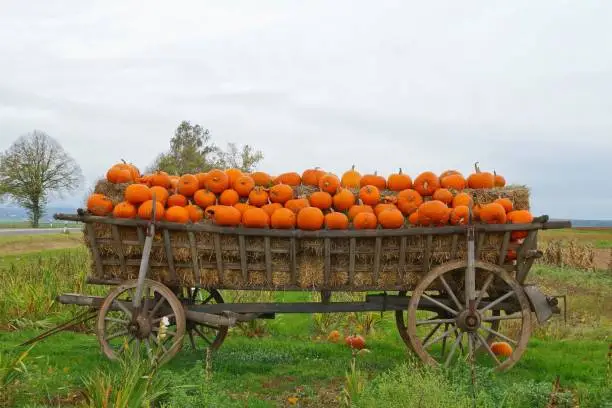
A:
(156, 327)
(211, 335)
(464, 330)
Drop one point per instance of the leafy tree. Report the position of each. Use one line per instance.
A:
(192, 151)
(35, 168)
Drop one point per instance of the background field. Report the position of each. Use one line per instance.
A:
(288, 361)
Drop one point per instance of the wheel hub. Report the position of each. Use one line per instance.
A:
(140, 327)
(469, 321)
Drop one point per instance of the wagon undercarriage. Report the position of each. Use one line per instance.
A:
(456, 307)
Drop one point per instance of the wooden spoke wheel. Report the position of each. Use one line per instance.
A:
(200, 334)
(155, 329)
(441, 326)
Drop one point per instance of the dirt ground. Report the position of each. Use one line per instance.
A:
(18, 245)
(603, 258)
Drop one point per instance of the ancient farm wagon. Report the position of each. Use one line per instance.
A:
(451, 288)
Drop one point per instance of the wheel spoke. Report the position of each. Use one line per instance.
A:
(450, 292)
(452, 350)
(486, 346)
(123, 307)
(514, 316)
(215, 328)
(434, 321)
(208, 299)
(157, 306)
(114, 320)
(202, 335)
(497, 301)
(118, 334)
(501, 336)
(440, 337)
(431, 333)
(484, 288)
(444, 341)
(191, 340)
(145, 304)
(439, 304)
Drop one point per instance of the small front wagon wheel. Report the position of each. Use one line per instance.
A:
(155, 329)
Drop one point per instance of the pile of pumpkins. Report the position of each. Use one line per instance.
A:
(257, 200)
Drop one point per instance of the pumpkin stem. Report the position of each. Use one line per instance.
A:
(476, 167)
(400, 170)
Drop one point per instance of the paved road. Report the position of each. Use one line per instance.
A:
(29, 231)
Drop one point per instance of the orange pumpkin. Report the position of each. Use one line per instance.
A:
(229, 197)
(176, 200)
(242, 207)
(408, 201)
(480, 179)
(137, 193)
(373, 180)
(255, 218)
(383, 206)
(519, 217)
(460, 215)
(453, 181)
(476, 212)
(498, 180)
(506, 203)
(343, 199)
(291, 178)
(270, 208)
(462, 199)
(124, 210)
(204, 198)
(261, 179)
(232, 176)
(351, 178)
(334, 336)
(243, 185)
(426, 183)
(174, 182)
(433, 212)
(283, 218)
(444, 195)
(297, 204)
(217, 181)
(145, 211)
(447, 173)
(511, 255)
(177, 214)
(160, 178)
(355, 341)
(311, 177)
(358, 209)
(281, 193)
(224, 215)
(160, 194)
(258, 197)
(399, 181)
(119, 173)
(369, 195)
(329, 183)
(336, 221)
(493, 213)
(365, 220)
(391, 219)
(195, 213)
(414, 218)
(310, 218)
(501, 348)
(321, 199)
(201, 180)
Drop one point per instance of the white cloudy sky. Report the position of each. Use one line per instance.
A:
(522, 86)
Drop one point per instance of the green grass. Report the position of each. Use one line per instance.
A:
(28, 243)
(293, 359)
(25, 224)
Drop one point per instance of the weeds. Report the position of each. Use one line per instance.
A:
(11, 369)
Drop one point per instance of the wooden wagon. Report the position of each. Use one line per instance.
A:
(451, 287)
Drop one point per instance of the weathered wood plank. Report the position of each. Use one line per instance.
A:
(119, 247)
(268, 259)
(219, 256)
(377, 254)
(352, 250)
(504, 248)
(169, 255)
(194, 255)
(454, 245)
(91, 235)
(327, 260)
(427, 253)
(293, 260)
(479, 244)
(402, 259)
(243, 258)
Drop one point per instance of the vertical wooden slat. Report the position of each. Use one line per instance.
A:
(427, 254)
(194, 255)
(327, 260)
(504, 248)
(523, 265)
(402, 259)
(454, 245)
(169, 255)
(243, 258)
(352, 250)
(479, 245)
(91, 234)
(140, 233)
(268, 256)
(293, 260)
(219, 256)
(377, 253)
(119, 248)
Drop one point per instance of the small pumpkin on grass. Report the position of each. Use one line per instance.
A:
(351, 178)
(283, 218)
(501, 348)
(355, 341)
(310, 218)
(334, 336)
(399, 181)
(124, 210)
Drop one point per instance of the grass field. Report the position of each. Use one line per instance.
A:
(290, 362)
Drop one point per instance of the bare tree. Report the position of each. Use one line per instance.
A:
(245, 158)
(35, 168)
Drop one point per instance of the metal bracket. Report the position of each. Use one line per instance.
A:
(543, 306)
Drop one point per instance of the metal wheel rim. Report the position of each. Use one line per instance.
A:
(524, 315)
(164, 345)
(198, 330)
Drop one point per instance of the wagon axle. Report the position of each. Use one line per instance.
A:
(468, 321)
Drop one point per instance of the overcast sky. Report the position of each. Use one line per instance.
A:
(522, 86)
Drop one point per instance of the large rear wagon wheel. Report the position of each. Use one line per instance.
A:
(154, 329)
(440, 326)
(201, 334)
